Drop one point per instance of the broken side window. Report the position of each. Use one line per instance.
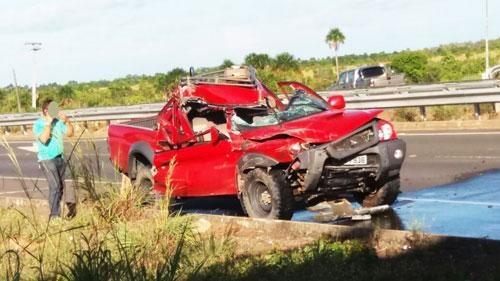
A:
(203, 117)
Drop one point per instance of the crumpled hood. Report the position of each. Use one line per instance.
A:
(318, 128)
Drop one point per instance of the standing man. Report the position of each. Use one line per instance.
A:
(49, 131)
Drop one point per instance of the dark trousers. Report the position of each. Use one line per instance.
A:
(53, 170)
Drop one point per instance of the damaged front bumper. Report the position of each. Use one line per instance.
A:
(327, 166)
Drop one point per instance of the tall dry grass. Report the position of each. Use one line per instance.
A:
(113, 237)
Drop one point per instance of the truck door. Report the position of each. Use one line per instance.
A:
(198, 165)
(210, 166)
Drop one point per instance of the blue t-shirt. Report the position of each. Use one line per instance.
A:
(55, 145)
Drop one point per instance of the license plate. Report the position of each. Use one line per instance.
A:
(360, 160)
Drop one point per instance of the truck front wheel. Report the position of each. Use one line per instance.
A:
(266, 195)
(386, 194)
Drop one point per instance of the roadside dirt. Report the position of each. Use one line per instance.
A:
(493, 124)
(260, 236)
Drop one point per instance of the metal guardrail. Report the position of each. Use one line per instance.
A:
(88, 114)
(423, 88)
(474, 92)
(419, 99)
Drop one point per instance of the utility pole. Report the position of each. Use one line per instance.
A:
(34, 46)
(486, 47)
(17, 91)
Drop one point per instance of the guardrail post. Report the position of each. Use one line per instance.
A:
(423, 113)
(477, 111)
(23, 129)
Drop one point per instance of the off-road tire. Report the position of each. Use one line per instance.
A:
(386, 194)
(256, 183)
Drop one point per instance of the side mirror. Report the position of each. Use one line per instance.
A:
(336, 102)
(214, 135)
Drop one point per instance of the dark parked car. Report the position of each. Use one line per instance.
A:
(368, 77)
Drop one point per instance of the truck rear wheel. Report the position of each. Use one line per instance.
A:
(266, 195)
(386, 194)
(144, 183)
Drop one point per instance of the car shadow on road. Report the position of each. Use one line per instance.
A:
(214, 205)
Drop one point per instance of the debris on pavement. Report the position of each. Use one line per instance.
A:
(342, 210)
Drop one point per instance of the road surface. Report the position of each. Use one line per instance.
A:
(435, 197)
(432, 159)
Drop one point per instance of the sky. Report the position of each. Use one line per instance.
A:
(106, 39)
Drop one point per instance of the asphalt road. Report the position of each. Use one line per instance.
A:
(432, 159)
(439, 158)
(14, 181)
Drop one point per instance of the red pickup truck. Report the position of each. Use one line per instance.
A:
(230, 135)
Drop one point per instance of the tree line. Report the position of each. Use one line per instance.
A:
(452, 62)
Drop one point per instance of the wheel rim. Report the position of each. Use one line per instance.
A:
(260, 198)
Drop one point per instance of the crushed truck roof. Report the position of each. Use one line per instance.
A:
(234, 86)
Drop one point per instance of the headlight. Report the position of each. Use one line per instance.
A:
(385, 131)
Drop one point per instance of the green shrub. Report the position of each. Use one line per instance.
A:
(413, 64)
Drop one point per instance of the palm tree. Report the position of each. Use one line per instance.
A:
(334, 38)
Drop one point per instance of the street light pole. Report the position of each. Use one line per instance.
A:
(34, 46)
(486, 47)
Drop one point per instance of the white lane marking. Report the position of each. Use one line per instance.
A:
(412, 155)
(68, 141)
(449, 134)
(21, 191)
(465, 202)
(28, 148)
(44, 179)
(466, 157)
(29, 154)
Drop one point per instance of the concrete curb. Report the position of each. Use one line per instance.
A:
(9, 202)
(262, 235)
(281, 235)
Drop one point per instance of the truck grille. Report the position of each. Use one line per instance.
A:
(337, 176)
(355, 141)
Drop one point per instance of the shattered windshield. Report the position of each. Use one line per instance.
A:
(300, 105)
